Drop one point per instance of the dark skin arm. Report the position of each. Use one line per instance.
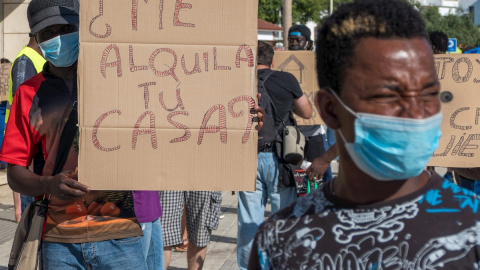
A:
(260, 114)
(62, 185)
(321, 163)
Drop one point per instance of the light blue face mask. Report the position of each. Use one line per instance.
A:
(61, 51)
(392, 148)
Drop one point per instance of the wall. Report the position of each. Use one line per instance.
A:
(14, 27)
(476, 13)
(465, 4)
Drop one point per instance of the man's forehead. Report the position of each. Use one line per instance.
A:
(379, 45)
(381, 55)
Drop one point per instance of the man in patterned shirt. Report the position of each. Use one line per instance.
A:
(379, 92)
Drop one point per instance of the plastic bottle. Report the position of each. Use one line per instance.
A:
(305, 165)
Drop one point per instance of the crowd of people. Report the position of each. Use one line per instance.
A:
(378, 96)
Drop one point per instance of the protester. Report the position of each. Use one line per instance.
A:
(379, 92)
(148, 212)
(184, 246)
(439, 41)
(203, 212)
(3, 107)
(84, 229)
(28, 62)
(319, 149)
(286, 95)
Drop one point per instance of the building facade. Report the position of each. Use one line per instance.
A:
(449, 6)
(14, 27)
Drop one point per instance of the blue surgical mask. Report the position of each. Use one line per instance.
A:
(61, 51)
(392, 148)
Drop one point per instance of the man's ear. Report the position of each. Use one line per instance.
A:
(309, 45)
(326, 104)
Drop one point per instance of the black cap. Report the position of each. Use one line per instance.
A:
(44, 13)
(305, 31)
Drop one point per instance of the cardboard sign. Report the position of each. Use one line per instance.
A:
(166, 90)
(4, 75)
(302, 65)
(459, 77)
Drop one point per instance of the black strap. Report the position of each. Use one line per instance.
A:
(68, 135)
(289, 115)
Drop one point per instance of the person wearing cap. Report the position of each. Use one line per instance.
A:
(299, 38)
(320, 147)
(84, 229)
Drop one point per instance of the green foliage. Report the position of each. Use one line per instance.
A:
(459, 26)
(302, 10)
(270, 10)
(313, 10)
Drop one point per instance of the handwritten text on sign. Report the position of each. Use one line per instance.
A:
(174, 89)
(4, 76)
(459, 76)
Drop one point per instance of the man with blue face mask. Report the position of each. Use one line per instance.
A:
(379, 92)
(84, 229)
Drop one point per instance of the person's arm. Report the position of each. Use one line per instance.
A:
(470, 173)
(260, 114)
(22, 70)
(302, 107)
(62, 185)
(17, 204)
(321, 163)
(20, 145)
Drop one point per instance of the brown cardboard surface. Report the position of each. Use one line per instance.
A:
(165, 91)
(302, 65)
(459, 77)
(4, 75)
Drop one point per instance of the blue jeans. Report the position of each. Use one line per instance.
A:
(251, 204)
(25, 200)
(111, 254)
(152, 242)
(330, 137)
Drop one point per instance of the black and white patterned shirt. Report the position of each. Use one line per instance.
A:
(436, 227)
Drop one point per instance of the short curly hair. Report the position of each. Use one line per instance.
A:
(439, 40)
(343, 30)
(264, 53)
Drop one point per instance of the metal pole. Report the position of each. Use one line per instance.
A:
(331, 7)
(287, 20)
